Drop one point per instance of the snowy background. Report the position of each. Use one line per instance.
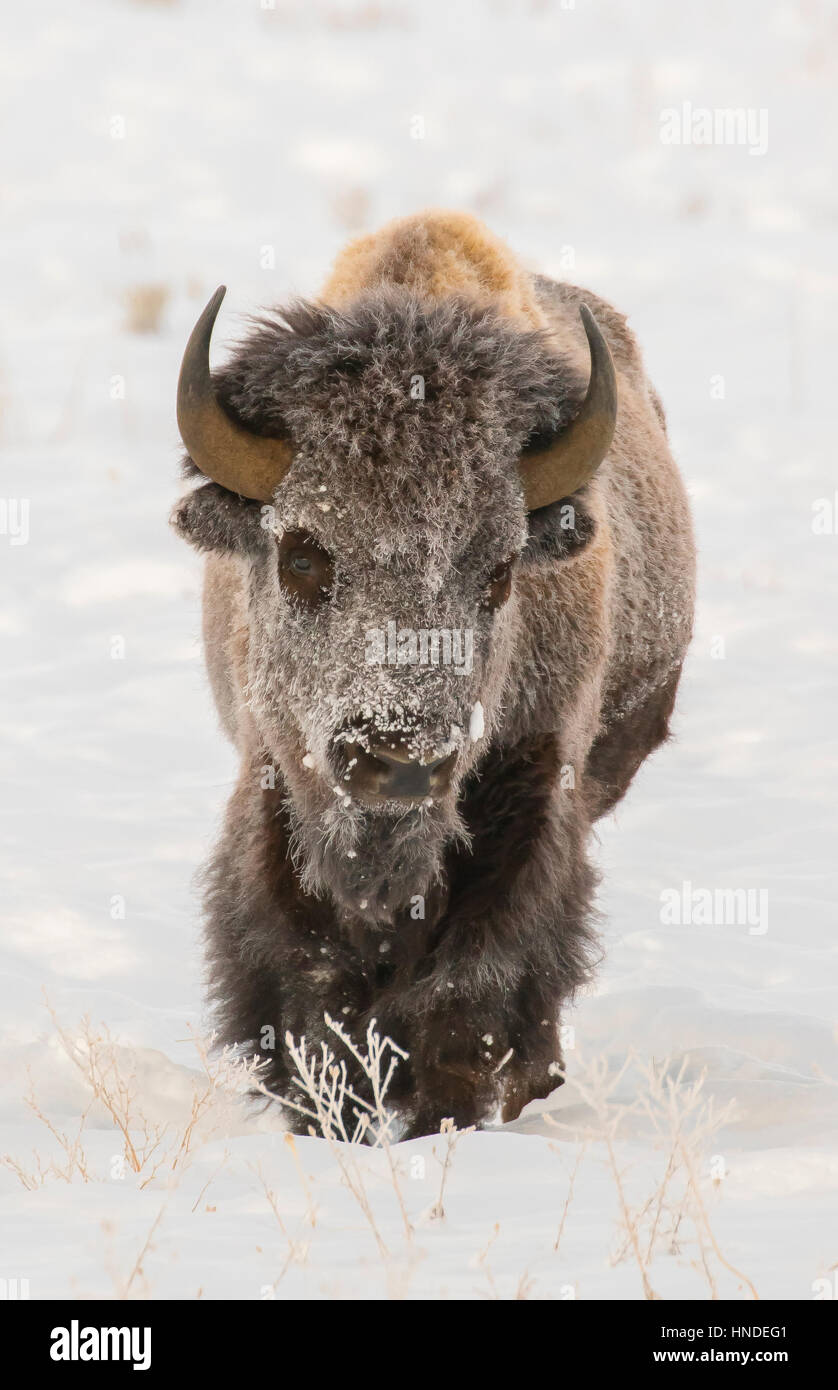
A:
(154, 150)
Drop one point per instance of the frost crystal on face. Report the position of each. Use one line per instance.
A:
(475, 727)
(308, 760)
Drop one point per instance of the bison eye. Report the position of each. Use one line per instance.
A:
(500, 584)
(306, 572)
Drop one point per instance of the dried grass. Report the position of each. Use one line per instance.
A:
(664, 1218)
(683, 1120)
(144, 308)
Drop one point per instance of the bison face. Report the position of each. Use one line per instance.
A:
(383, 617)
(382, 635)
(395, 656)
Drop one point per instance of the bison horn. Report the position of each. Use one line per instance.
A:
(243, 462)
(573, 458)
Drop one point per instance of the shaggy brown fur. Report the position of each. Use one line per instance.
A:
(311, 895)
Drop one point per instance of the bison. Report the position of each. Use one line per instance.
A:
(448, 593)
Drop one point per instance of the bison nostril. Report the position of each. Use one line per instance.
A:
(388, 773)
(441, 773)
(376, 759)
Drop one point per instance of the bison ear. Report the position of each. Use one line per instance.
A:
(561, 530)
(211, 518)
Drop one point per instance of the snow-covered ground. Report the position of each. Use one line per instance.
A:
(153, 150)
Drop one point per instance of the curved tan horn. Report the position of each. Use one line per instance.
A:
(580, 448)
(240, 461)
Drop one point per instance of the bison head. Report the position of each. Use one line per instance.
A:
(375, 470)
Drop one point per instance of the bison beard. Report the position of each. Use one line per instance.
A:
(462, 923)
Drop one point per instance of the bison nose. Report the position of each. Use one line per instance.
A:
(386, 772)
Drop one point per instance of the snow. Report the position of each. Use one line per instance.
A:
(187, 144)
(475, 723)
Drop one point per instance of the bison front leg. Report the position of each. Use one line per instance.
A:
(452, 1072)
(513, 946)
(478, 1063)
(469, 1066)
(532, 1078)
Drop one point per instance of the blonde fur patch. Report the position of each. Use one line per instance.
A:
(436, 254)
